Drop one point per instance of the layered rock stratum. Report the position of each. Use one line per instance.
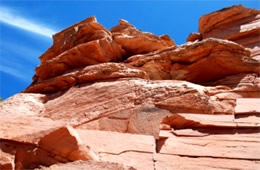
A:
(127, 99)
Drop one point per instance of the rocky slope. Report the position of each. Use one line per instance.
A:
(127, 99)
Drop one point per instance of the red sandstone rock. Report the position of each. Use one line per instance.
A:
(224, 23)
(210, 54)
(26, 129)
(6, 161)
(81, 165)
(194, 36)
(152, 117)
(129, 149)
(185, 120)
(132, 115)
(102, 99)
(244, 106)
(19, 136)
(165, 161)
(94, 52)
(82, 32)
(223, 136)
(87, 74)
(236, 23)
(219, 57)
(22, 105)
(137, 42)
(66, 143)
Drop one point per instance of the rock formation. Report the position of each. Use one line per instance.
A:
(127, 99)
(236, 23)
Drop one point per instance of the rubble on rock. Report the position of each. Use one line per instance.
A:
(127, 99)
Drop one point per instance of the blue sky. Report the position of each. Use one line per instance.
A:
(26, 27)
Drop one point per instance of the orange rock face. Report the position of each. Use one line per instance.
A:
(80, 33)
(137, 42)
(127, 99)
(238, 24)
(198, 62)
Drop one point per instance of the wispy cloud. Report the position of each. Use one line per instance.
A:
(11, 17)
(19, 52)
(14, 72)
(15, 65)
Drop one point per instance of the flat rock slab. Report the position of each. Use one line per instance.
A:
(186, 120)
(206, 147)
(248, 106)
(26, 129)
(167, 162)
(129, 149)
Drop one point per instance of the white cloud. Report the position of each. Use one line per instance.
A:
(10, 17)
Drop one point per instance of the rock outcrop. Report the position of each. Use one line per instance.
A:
(127, 99)
(134, 41)
(236, 23)
(198, 62)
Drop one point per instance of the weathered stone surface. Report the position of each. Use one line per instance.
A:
(94, 52)
(236, 23)
(26, 129)
(135, 41)
(164, 161)
(217, 148)
(117, 122)
(131, 121)
(199, 139)
(146, 120)
(102, 99)
(185, 120)
(85, 43)
(140, 114)
(244, 106)
(237, 81)
(86, 74)
(6, 161)
(219, 57)
(194, 36)
(128, 149)
(19, 137)
(82, 32)
(22, 104)
(196, 141)
(83, 165)
(229, 23)
(243, 86)
(66, 143)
